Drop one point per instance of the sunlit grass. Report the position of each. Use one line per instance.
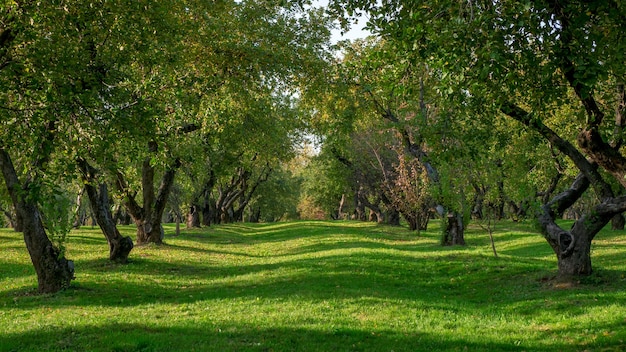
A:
(316, 286)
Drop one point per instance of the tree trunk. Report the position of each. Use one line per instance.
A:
(454, 231)
(148, 218)
(573, 247)
(119, 246)
(577, 261)
(79, 214)
(149, 232)
(193, 217)
(393, 217)
(54, 272)
(17, 222)
(412, 221)
(121, 216)
(13, 220)
(255, 215)
(208, 213)
(340, 214)
(618, 222)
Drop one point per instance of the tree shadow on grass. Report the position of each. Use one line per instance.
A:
(535, 251)
(13, 270)
(159, 335)
(267, 233)
(86, 240)
(17, 238)
(454, 281)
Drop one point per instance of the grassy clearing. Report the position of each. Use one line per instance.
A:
(316, 286)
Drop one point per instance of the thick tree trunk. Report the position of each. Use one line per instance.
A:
(148, 218)
(573, 247)
(54, 272)
(454, 231)
(576, 261)
(149, 232)
(393, 217)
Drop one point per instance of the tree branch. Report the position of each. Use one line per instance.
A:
(587, 168)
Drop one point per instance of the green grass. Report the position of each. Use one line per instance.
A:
(316, 286)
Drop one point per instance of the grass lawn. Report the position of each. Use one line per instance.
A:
(317, 286)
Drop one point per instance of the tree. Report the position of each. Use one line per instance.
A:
(72, 78)
(119, 246)
(527, 60)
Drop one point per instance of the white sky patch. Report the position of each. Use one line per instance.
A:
(357, 30)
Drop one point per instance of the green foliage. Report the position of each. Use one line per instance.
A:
(311, 286)
(55, 206)
(324, 181)
(277, 198)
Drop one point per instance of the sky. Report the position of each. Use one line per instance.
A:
(356, 32)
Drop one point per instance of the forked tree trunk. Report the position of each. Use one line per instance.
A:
(148, 218)
(573, 247)
(54, 272)
(149, 231)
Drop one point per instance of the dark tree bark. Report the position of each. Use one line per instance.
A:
(193, 216)
(54, 272)
(453, 233)
(249, 191)
(147, 218)
(573, 247)
(119, 246)
(11, 215)
(618, 222)
(392, 217)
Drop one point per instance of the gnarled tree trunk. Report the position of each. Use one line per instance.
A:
(147, 218)
(573, 247)
(54, 272)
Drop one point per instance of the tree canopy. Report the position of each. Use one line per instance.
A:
(452, 109)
